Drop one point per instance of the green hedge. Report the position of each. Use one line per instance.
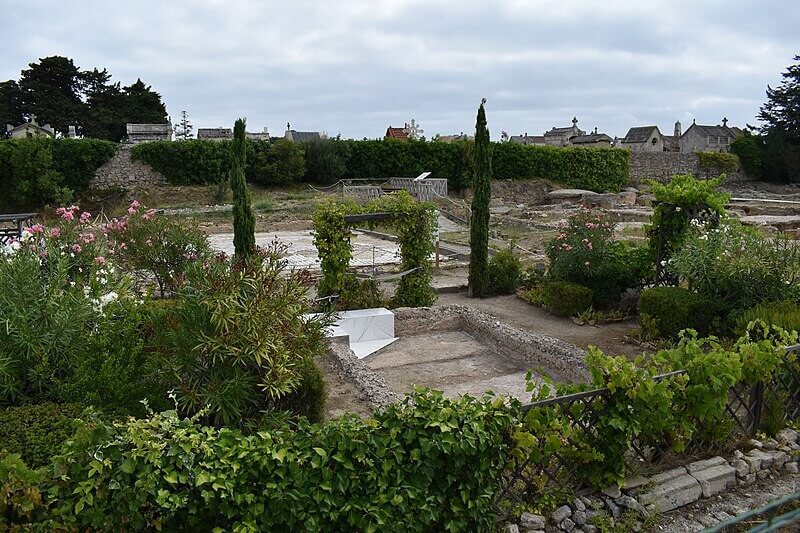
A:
(41, 170)
(565, 298)
(430, 464)
(665, 311)
(201, 161)
(37, 432)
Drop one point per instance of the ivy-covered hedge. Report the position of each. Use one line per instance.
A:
(37, 171)
(429, 464)
(201, 161)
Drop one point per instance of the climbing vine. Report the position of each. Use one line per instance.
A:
(414, 223)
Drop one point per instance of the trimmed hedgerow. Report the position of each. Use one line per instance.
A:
(37, 432)
(565, 298)
(668, 310)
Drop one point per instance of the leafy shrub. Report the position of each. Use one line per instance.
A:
(359, 294)
(326, 160)
(714, 164)
(308, 399)
(156, 248)
(21, 500)
(739, 267)
(750, 150)
(785, 314)
(235, 339)
(277, 163)
(584, 253)
(38, 171)
(188, 162)
(672, 309)
(566, 298)
(505, 271)
(429, 463)
(37, 432)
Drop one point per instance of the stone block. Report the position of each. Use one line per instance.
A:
(634, 482)
(716, 479)
(672, 493)
(568, 525)
(708, 463)
(762, 474)
(660, 478)
(742, 468)
(758, 460)
(532, 521)
(558, 516)
(779, 458)
(786, 436)
(579, 517)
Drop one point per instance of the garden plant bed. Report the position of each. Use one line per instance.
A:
(457, 350)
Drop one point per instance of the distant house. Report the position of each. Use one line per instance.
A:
(302, 136)
(29, 129)
(563, 136)
(258, 136)
(699, 138)
(643, 139)
(528, 140)
(139, 133)
(214, 134)
(454, 138)
(400, 134)
(593, 140)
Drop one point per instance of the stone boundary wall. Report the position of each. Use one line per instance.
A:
(671, 489)
(373, 387)
(661, 166)
(121, 172)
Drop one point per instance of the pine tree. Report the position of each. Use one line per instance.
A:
(244, 237)
(781, 112)
(479, 221)
(183, 129)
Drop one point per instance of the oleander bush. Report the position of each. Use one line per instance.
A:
(565, 298)
(665, 311)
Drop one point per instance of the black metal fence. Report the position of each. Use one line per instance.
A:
(765, 406)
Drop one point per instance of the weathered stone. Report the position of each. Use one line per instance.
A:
(673, 493)
(510, 528)
(779, 458)
(791, 468)
(616, 510)
(667, 475)
(770, 444)
(589, 528)
(762, 474)
(612, 491)
(742, 468)
(532, 521)
(708, 463)
(738, 454)
(758, 460)
(716, 479)
(635, 482)
(558, 516)
(579, 517)
(579, 505)
(631, 503)
(786, 436)
(567, 525)
(755, 443)
(570, 194)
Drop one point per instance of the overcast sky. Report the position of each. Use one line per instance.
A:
(357, 66)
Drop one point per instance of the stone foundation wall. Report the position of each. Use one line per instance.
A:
(121, 172)
(661, 166)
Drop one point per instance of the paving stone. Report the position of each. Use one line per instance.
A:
(532, 521)
(565, 511)
(708, 463)
(716, 479)
(673, 493)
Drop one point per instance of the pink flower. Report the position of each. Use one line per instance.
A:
(568, 247)
(122, 246)
(100, 260)
(590, 247)
(88, 237)
(32, 248)
(67, 215)
(76, 248)
(134, 207)
(561, 236)
(55, 232)
(60, 211)
(191, 256)
(85, 217)
(150, 213)
(36, 228)
(43, 253)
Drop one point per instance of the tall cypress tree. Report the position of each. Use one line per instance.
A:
(479, 221)
(244, 224)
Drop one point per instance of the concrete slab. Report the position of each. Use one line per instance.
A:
(673, 493)
(716, 479)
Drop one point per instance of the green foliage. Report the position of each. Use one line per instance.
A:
(413, 223)
(565, 298)
(785, 314)
(750, 151)
(21, 500)
(478, 281)
(37, 432)
(584, 252)
(672, 309)
(308, 399)
(277, 163)
(428, 464)
(677, 202)
(235, 341)
(326, 160)
(505, 271)
(358, 294)
(244, 224)
(781, 112)
(713, 164)
(187, 163)
(594, 169)
(739, 267)
(37, 171)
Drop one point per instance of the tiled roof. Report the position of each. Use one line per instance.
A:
(527, 139)
(591, 138)
(717, 131)
(302, 136)
(639, 134)
(396, 133)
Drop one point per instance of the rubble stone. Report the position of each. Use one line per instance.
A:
(532, 521)
(558, 516)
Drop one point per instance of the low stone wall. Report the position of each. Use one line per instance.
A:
(673, 488)
(560, 360)
(374, 388)
(661, 166)
(121, 172)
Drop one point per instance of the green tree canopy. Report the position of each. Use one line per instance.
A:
(51, 90)
(781, 112)
(10, 105)
(143, 105)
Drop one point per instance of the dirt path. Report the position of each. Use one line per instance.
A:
(514, 311)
